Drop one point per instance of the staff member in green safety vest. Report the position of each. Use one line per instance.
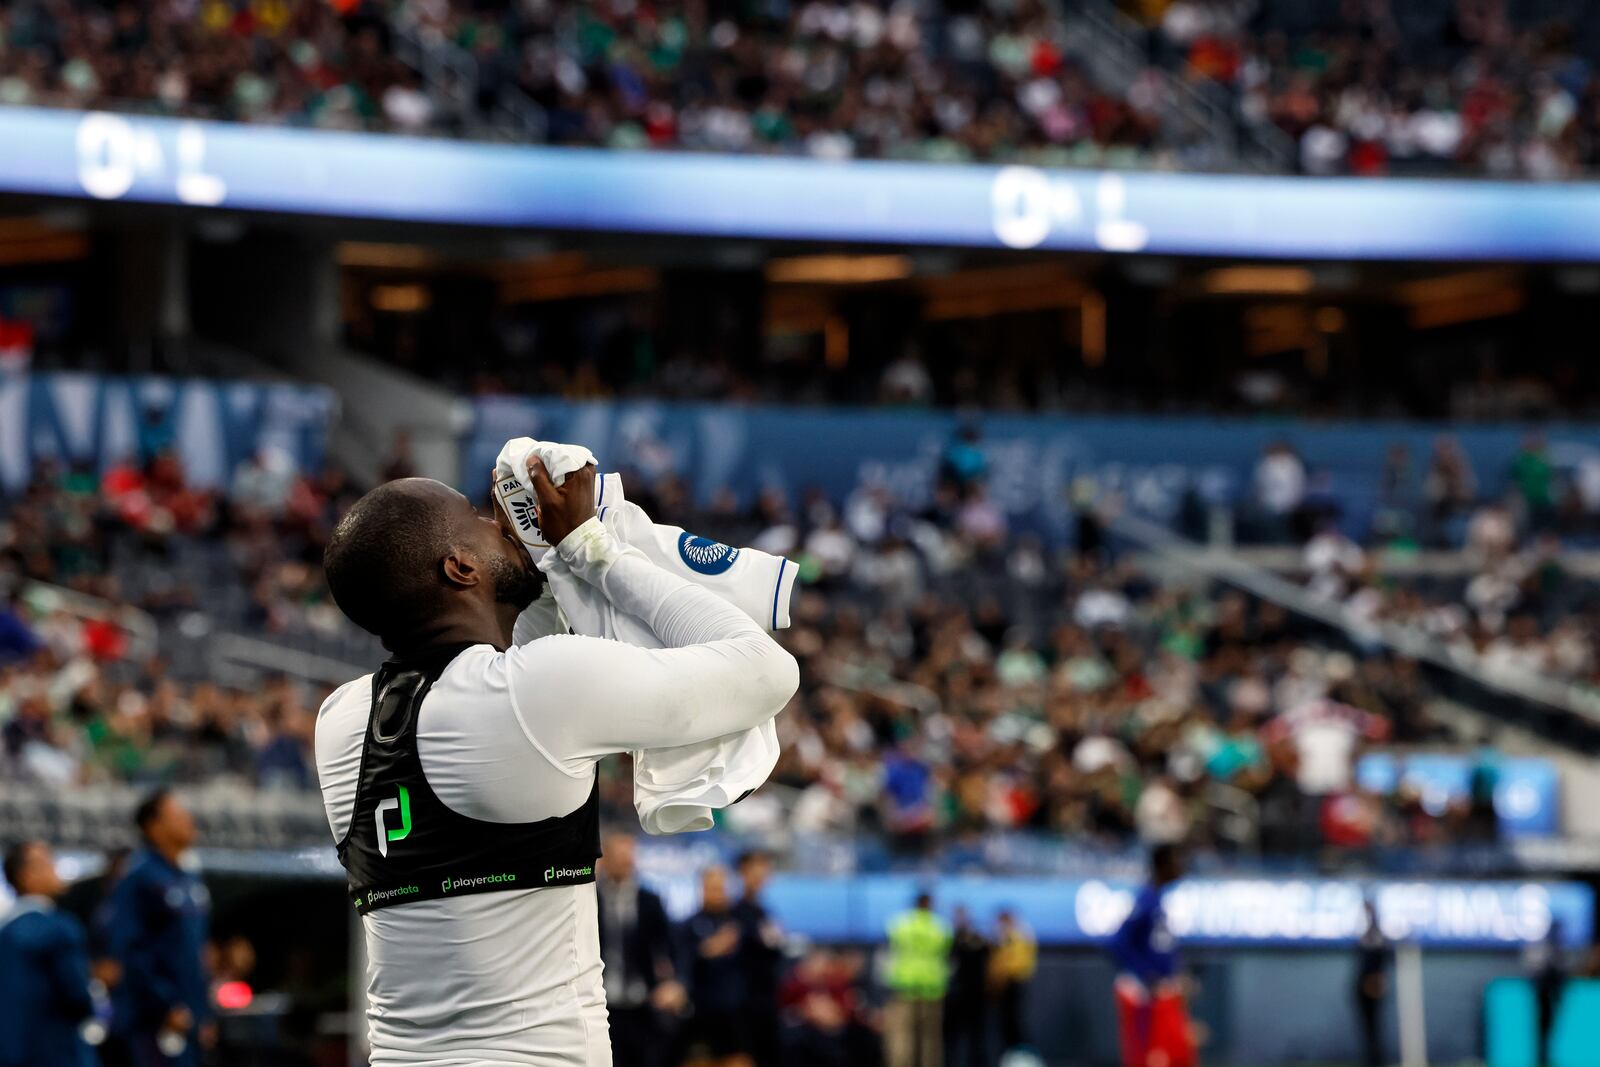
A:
(918, 975)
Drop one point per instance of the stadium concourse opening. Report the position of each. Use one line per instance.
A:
(1163, 435)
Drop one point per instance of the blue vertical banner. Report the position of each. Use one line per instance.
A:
(212, 426)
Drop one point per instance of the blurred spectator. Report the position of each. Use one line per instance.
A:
(44, 968)
(906, 382)
(719, 1032)
(1449, 487)
(1333, 560)
(1016, 958)
(1326, 736)
(1534, 479)
(761, 952)
(17, 639)
(918, 976)
(966, 1014)
(263, 482)
(1280, 483)
(1548, 966)
(963, 463)
(636, 947)
(825, 1011)
(1373, 958)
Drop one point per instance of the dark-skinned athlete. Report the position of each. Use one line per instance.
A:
(459, 779)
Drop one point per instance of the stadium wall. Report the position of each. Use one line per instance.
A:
(213, 425)
(1033, 459)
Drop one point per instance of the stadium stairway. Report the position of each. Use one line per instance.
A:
(376, 401)
(1110, 46)
(1544, 706)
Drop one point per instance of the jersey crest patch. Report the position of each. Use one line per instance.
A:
(705, 556)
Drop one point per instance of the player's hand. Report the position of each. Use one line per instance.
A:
(565, 507)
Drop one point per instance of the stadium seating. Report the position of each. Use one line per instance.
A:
(1504, 94)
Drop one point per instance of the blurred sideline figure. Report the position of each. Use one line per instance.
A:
(720, 1033)
(636, 947)
(966, 1012)
(1373, 953)
(918, 978)
(1548, 965)
(761, 954)
(1152, 1015)
(160, 915)
(44, 968)
(1016, 957)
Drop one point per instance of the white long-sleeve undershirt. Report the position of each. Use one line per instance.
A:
(718, 671)
(513, 978)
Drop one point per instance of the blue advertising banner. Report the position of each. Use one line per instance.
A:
(1309, 913)
(118, 157)
(1527, 790)
(212, 425)
(1033, 460)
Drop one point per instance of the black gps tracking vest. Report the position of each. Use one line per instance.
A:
(405, 845)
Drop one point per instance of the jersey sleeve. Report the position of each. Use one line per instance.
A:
(717, 673)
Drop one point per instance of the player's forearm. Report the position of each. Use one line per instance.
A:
(719, 672)
(676, 610)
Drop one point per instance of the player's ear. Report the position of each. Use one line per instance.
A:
(459, 570)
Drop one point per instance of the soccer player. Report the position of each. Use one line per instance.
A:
(1153, 1017)
(459, 780)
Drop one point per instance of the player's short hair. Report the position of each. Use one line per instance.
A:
(16, 858)
(149, 809)
(382, 561)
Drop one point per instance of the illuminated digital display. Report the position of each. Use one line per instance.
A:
(373, 176)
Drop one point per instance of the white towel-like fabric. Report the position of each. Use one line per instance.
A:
(514, 488)
(674, 789)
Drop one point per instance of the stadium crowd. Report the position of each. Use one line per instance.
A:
(1464, 86)
(1456, 85)
(830, 80)
(958, 678)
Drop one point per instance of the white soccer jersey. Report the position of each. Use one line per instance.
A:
(513, 979)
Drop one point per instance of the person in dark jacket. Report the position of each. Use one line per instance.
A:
(44, 969)
(761, 956)
(719, 1032)
(636, 946)
(159, 919)
(966, 1016)
(1373, 957)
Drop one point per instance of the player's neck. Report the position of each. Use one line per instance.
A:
(490, 627)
